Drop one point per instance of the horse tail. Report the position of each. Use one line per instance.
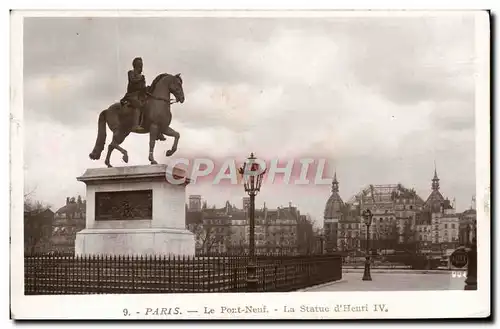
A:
(101, 137)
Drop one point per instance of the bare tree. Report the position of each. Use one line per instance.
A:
(32, 205)
(206, 237)
(37, 222)
(305, 234)
(28, 194)
(35, 206)
(409, 238)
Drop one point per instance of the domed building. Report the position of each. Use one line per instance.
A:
(468, 225)
(332, 215)
(435, 200)
(444, 223)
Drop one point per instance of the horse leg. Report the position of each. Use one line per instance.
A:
(108, 155)
(118, 138)
(124, 152)
(153, 134)
(172, 133)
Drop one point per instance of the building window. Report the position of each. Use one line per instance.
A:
(452, 225)
(445, 225)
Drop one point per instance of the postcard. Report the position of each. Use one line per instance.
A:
(250, 164)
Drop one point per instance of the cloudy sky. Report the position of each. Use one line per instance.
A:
(381, 98)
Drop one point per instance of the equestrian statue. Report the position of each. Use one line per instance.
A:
(143, 109)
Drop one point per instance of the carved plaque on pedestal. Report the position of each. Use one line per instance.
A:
(124, 205)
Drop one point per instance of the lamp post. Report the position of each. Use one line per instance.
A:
(367, 216)
(252, 179)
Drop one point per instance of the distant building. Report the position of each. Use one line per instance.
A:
(217, 228)
(333, 217)
(401, 220)
(444, 221)
(68, 220)
(239, 231)
(319, 240)
(194, 203)
(306, 236)
(280, 230)
(394, 209)
(220, 230)
(349, 230)
(467, 226)
(194, 219)
(277, 230)
(211, 227)
(246, 203)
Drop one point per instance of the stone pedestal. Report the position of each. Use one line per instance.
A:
(136, 210)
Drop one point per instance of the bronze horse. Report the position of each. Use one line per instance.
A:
(157, 118)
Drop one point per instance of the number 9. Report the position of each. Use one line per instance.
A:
(125, 312)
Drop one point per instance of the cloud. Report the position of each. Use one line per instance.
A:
(422, 59)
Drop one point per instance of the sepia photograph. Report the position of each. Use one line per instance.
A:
(287, 158)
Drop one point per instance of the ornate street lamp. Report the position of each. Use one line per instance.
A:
(367, 216)
(252, 179)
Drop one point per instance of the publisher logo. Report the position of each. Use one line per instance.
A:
(459, 258)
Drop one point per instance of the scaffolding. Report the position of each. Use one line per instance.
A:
(380, 194)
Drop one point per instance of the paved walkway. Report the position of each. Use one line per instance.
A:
(416, 281)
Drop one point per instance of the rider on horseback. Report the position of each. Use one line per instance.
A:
(136, 94)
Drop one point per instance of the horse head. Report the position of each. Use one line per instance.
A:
(172, 83)
(175, 87)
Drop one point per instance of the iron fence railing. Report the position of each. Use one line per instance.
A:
(68, 274)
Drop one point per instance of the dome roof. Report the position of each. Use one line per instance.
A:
(334, 204)
(436, 199)
(471, 211)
